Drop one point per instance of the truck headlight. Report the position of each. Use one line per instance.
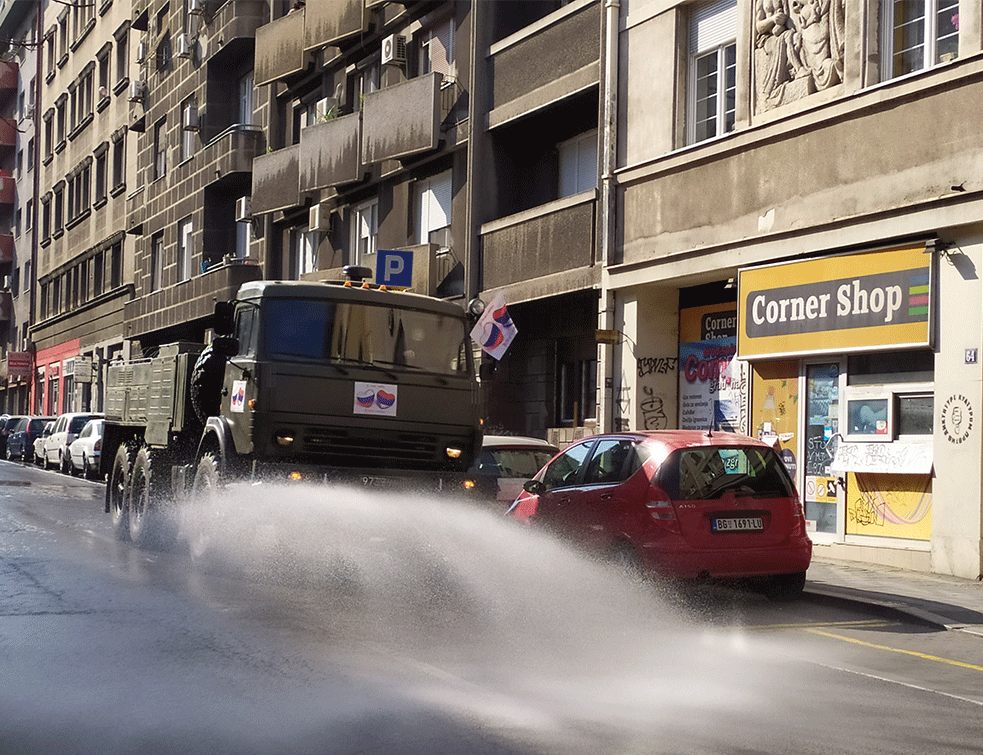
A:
(284, 439)
(453, 453)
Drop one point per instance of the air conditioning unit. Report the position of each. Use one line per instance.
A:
(196, 7)
(394, 50)
(190, 120)
(184, 46)
(141, 52)
(322, 107)
(244, 209)
(137, 91)
(319, 218)
(29, 112)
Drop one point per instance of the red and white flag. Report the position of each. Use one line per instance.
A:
(494, 330)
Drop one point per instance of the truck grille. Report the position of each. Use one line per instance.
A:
(382, 451)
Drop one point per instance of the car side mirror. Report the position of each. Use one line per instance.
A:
(535, 487)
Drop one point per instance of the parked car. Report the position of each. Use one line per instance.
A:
(66, 429)
(683, 504)
(20, 444)
(505, 463)
(6, 428)
(85, 449)
(41, 440)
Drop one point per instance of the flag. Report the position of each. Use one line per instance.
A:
(494, 330)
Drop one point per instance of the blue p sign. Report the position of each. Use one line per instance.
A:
(394, 268)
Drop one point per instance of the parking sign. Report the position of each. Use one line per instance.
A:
(394, 268)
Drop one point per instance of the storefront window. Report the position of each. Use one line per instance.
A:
(891, 367)
(915, 415)
(822, 430)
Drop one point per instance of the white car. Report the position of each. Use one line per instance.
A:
(505, 463)
(40, 441)
(66, 429)
(86, 448)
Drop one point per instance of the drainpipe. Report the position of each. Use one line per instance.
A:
(608, 355)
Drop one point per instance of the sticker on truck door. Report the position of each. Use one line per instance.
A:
(376, 398)
(238, 400)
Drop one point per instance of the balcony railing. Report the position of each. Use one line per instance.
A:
(276, 180)
(330, 153)
(233, 151)
(402, 120)
(280, 48)
(328, 22)
(553, 238)
(233, 29)
(6, 248)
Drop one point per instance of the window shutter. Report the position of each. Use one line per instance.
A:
(712, 24)
(442, 48)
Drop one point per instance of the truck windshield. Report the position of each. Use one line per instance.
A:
(318, 330)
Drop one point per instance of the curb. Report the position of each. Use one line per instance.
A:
(837, 595)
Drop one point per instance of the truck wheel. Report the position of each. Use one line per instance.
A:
(207, 377)
(150, 523)
(119, 480)
(207, 479)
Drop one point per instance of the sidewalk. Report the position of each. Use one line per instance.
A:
(945, 602)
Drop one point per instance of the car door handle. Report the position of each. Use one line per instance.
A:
(607, 496)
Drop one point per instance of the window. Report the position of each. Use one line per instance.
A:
(578, 164)
(103, 57)
(164, 53)
(188, 137)
(45, 218)
(919, 34)
(610, 462)
(29, 215)
(119, 159)
(160, 149)
(565, 469)
(122, 70)
(102, 158)
(49, 134)
(577, 390)
(30, 154)
(433, 205)
(246, 99)
(98, 272)
(156, 261)
(116, 273)
(243, 231)
(184, 247)
(437, 50)
(303, 252)
(59, 209)
(712, 69)
(365, 230)
(49, 50)
(60, 107)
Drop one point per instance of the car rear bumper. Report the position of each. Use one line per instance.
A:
(676, 559)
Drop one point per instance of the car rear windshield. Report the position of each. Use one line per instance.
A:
(37, 425)
(77, 424)
(513, 462)
(709, 472)
(387, 337)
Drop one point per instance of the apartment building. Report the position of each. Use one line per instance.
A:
(18, 159)
(193, 123)
(83, 257)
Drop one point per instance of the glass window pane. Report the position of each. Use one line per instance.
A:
(915, 415)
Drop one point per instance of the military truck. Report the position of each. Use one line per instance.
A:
(316, 381)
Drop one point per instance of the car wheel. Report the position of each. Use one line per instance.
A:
(783, 588)
(87, 471)
(64, 465)
(9, 454)
(119, 480)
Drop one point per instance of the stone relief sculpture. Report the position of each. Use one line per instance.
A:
(798, 50)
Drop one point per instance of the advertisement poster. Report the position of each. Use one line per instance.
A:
(889, 505)
(711, 388)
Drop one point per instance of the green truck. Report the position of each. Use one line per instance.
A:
(311, 381)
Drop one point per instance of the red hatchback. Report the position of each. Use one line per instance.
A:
(680, 503)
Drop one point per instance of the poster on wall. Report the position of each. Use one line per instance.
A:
(712, 392)
(889, 505)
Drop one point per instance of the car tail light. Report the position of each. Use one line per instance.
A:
(97, 446)
(798, 517)
(660, 508)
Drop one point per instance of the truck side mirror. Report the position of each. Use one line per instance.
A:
(223, 322)
(225, 346)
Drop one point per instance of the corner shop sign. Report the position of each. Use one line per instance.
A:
(836, 303)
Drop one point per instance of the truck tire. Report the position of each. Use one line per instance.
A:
(151, 522)
(207, 377)
(116, 487)
(207, 478)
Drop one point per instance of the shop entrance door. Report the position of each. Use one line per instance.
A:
(821, 491)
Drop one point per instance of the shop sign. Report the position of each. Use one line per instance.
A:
(844, 302)
(19, 364)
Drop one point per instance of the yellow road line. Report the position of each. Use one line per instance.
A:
(872, 623)
(924, 656)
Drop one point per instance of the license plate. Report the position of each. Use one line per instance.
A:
(741, 524)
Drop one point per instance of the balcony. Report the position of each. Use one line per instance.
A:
(190, 300)
(329, 22)
(276, 180)
(232, 152)
(280, 49)
(9, 77)
(6, 248)
(554, 238)
(8, 133)
(232, 30)
(330, 153)
(402, 120)
(549, 60)
(7, 185)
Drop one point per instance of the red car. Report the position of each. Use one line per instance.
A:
(680, 503)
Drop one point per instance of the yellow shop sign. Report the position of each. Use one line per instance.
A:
(830, 304)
